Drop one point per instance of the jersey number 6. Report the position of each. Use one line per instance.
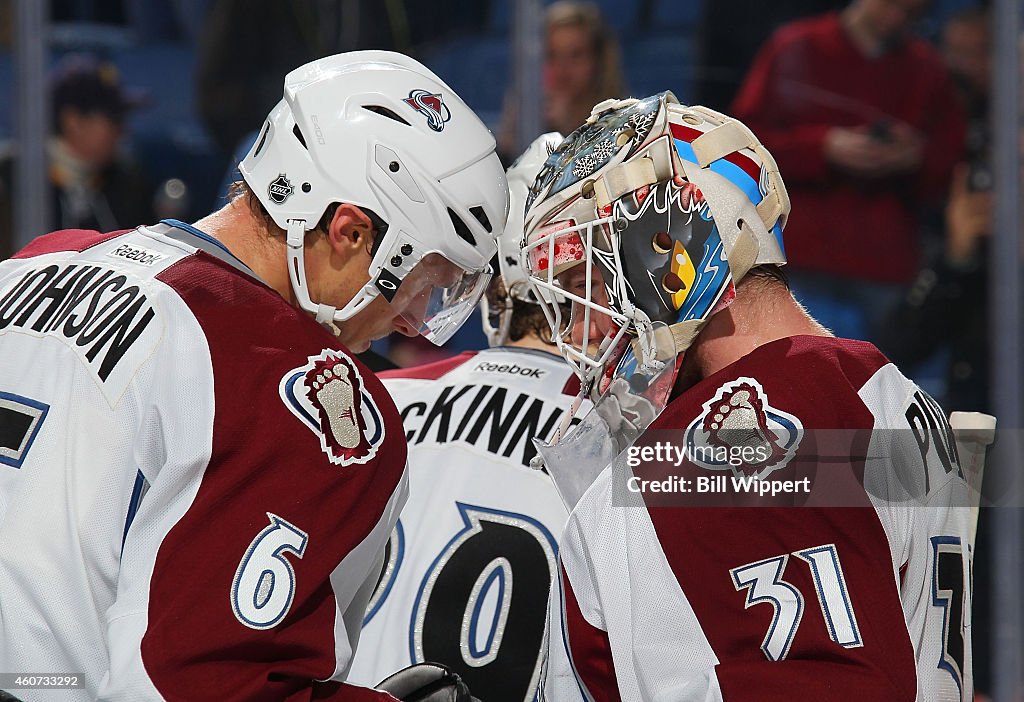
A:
(264, 584)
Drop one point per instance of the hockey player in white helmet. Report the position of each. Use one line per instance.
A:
(197, 479)
(794, 521)
(474, 555)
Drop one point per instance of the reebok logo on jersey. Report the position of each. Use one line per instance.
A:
(511, 369)
(328, 396)
(137, 254)
(739, 416)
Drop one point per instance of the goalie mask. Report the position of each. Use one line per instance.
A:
(645, 218)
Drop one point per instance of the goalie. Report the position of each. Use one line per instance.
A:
(662, 225)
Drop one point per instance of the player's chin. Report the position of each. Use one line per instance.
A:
(356, 343)
(359, 346)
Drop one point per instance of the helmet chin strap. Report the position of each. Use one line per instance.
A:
(325, 314)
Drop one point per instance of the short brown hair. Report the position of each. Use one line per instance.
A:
(240, 189)
(768, 273)
(528, 318)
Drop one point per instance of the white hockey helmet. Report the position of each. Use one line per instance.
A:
(496, 315)
(379, 130)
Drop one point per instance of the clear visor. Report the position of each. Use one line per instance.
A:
(560, 260)
(437, 296)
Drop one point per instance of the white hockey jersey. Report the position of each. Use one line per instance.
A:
(197, 483)
(472, 559)
(679, 583)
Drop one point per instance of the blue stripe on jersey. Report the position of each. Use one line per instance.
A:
(399, 557)
(133, 505)
(199, 233)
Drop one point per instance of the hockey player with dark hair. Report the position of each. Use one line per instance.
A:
(197, 479)
(662, 225)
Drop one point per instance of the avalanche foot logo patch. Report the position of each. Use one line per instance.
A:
(432, 106)
(739, 431)
(328, 396)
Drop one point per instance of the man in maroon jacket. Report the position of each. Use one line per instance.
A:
(863, 120)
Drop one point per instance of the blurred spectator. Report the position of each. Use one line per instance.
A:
(863, 120)
(248, 45)
(947, 304)
(94, 185)
(728, 36)
(967, 48)
(582, 67)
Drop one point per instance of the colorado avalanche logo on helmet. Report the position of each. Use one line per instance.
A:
(327, 394)
(432, 106)
(739, 417)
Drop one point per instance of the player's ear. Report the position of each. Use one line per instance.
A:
(349, 231)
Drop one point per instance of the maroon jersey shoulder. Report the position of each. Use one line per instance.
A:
(796, 398)
(815, 378)
(254, 333)
(430, 371)
(66, 240)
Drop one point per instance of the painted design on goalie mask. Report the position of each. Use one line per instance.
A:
(669, 227)
(673, 268)
(592, 145)
(738, 416)
(328, 395)
(431, 105)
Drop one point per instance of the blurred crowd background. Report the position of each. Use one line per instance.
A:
(877, 111)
